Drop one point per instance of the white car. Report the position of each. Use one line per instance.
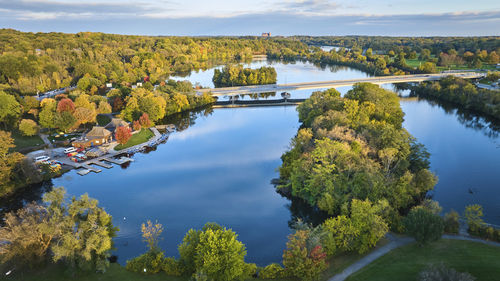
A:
(42, 158)
(69, 150)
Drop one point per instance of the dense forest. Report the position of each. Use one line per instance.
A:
(239, 76)
(406, 44)
(38, 62)
(355, 147)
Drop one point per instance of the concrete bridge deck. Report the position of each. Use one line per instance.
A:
(245, 90)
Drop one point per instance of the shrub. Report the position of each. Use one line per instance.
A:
(442, 273)
(451, 224)
(272, 271)
(423, 225)
(28, 127)
(172, 267)
(148, 263)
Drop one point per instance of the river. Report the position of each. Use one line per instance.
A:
(220, 166)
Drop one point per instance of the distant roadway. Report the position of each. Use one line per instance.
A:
(244, 90)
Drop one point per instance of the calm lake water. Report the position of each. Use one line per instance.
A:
(220, 167)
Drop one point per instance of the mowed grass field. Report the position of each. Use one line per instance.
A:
(405, 263)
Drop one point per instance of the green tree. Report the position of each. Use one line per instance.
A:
(10, 109)
(424, 226)
(215, 252)
(10, 175)
(28, 127)
(86, 231)
(64, 120)
(473, 215)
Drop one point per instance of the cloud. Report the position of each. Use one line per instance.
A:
(298, 18)
(308, 7)
(47, 10)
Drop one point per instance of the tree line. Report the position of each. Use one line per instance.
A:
(239, 76)
(38, 62)
(462, 92)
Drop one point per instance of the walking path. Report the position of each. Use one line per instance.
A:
(397, 242)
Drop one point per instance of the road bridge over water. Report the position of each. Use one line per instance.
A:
(246, 90)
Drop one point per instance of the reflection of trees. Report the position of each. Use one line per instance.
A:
(23, 196)
(487, 125)
(300, 209)
(184, 120)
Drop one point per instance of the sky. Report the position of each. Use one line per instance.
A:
(244, 17)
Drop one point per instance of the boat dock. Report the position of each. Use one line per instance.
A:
(120, 161)
(112, 157)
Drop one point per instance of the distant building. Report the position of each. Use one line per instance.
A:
(109, 85)
(266, 34)
(95, 137)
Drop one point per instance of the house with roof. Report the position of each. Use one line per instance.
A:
(115, 123)
(95, 137)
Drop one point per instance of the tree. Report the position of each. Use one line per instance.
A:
(423, 225)
(428, 67)
(473, 215)
(66, 105)
(136, 125)
(84, 115)
(28, 127)
(104, 108)
(30, 103)
(123, 134)
(47, 118)
(339, 235)
(64, 120)
(301, 261)
(215, 252)
(151, 234)
(367, 219)
(86, 231)
(10, 177)
(27, 235)
(10, 109)
(144, 121)
(451, 222)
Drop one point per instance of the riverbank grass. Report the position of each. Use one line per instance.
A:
(143, 136)
(405, 263)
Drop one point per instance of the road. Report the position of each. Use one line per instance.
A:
(244, 90)
(54, 93)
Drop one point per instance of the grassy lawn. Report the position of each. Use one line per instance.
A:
(143, 136)
(405, 263)
(103, 120)
(23, 142)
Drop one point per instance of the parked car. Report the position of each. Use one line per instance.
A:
(69, 150)
(42, 158)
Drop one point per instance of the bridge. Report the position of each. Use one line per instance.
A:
(246, 90)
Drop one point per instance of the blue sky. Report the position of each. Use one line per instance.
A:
(242, 17)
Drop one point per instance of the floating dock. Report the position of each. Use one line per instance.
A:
(102, 164)
(121, 160)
